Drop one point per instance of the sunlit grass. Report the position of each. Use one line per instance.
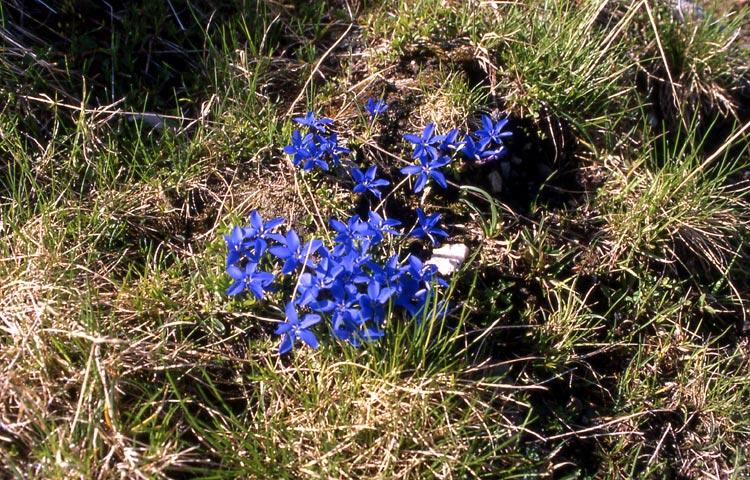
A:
(595, 335)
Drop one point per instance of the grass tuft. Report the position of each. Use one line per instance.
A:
(598, 328)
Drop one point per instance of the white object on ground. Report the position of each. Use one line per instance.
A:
(449, 258)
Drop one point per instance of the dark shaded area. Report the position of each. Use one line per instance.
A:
(153, 54)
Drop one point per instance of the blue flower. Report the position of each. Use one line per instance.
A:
(263, 230)
(389, 273)
(311, 285)
(314, 159)
(375, 108)
(352, 259)
(315, 150)
(294, 253)
(348, 322)
(373, 300)
(472, 151)
(449, 142)
(237, 244)
(348, 233)
(425, 143)
(422, 272)
(366, 182)
(353, 334)
(344, 305)
(249, 279)
(311, 122)
(428, 227)
(427, 169)
(415, 284)
(329, 148)
(353, 284)
(492, 132)
(379, 226)
(293, 329)
(300, 147)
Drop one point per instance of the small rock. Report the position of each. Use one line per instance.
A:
(496, 182)
(687, 10)
(449, 258)
(153, 120)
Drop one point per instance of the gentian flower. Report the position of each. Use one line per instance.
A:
(428, 168)
(294, 253)
(344, 305)
(300, 147)
(311, 285)
(348, 322)
(237, 246)
(262, 230)
(329, 148)
(353, 334)
(424, 144)
(373, 300)
(352, 283)
(352, 260)
(312, 123)
(473, 151)
(366, 182)
(375, 108)
(389, 273)
(428, 227)
(416, 282)
(249, 279)
(422, 272)
(314, 159)
(449, 142)
(380, 226)
(494, 154)
(308, 288)
(293, 329)
(492, 132)
(348, 233)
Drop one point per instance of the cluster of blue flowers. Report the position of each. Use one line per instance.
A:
(317, 147)
(349, 282)
(359, 278)
(435, 151)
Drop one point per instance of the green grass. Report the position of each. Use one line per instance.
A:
(599, 326)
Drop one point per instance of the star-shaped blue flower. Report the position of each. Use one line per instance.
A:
(373, 301)
(425, 144)
(263, 230)
(354, 229)
(237, 244)
(375, 108)
(310, 121)
(492, 132)
(293, 329)
(449, 142)
(427, 168)
(428, 227)
(366, 182)
(300, 147)
(249, 279)
(380, 226)
(472, 151)
(330, 148)
(294, 253)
